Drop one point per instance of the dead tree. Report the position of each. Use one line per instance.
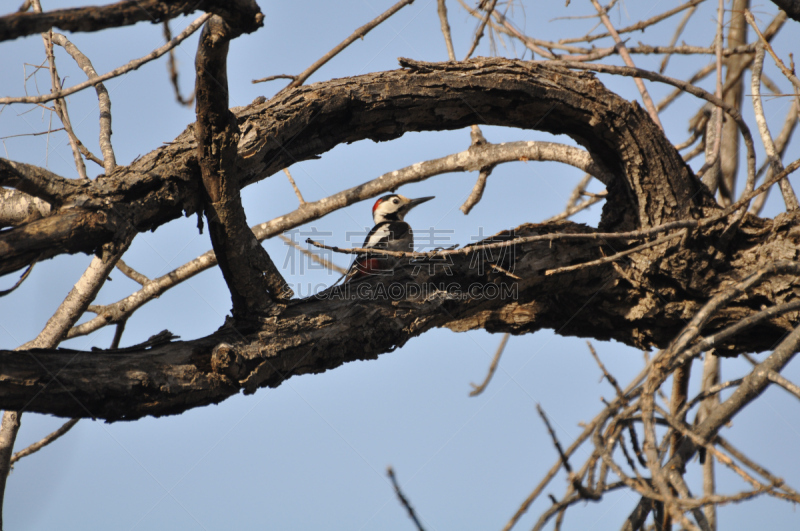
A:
(665, 253)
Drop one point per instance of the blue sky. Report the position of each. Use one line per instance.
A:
(313, 453)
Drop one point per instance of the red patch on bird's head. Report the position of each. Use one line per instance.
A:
(378, 202)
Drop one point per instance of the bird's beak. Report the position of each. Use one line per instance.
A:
(414, 202)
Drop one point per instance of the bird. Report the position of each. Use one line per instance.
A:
(390, 233)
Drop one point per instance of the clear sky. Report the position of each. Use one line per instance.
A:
(312, 453)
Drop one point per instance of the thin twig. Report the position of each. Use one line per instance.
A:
(403, 499)
(118, 331)
(781, 143)
(19, 282)
(786, 72)
(35, 447)
(294, 186)
(104, 101)
(783, 382)
(359, 33)
(752, 465)
(172, 66)
(273, 78)
(616, 256)
(59, 104)
(639, 26)
(623, 52)
(481, 29)
(478, 389)
(675, 36)
(313, 256)
(477, 139)
(132, 65)
(714, 129)
(556, 443)
(132, 273)
(608, 376)
(789, 197)
(568, 213)
(448, 39)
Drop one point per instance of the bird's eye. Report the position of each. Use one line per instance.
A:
(395, 201)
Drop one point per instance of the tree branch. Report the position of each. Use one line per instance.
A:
(247, 268)
(96, 18)
(163, 185)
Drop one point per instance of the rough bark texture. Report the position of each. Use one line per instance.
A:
(94, 18)
(642, 300)
(653, 183)
(246, 267)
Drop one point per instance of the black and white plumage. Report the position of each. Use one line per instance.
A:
(390, 233)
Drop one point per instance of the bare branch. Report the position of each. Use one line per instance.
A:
(294, 186)
(79, 298)
(692, 89)
(59, 104)
(132, 273)
(96, 18)
(313, 256)
(477, 191)
(623, 52)
(608, 376)
(789, 197)
(35, 447)
(403, 499)
(173, 70)
(781, 143)
(253, 279)
(786, 72)
(109, 161)
(478, 389)
(19, 282)
(678, 31)
(448, 39)
(132, 65)
(636, 27)
(783, 382)
(8, 435)
(358, 34)
(273, 78)
(469, 160)
(481, 28)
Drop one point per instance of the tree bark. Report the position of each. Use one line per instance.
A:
(96, 18)
(653, 183)
(643, 301)
(248, 270)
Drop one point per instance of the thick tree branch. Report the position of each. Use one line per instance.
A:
(94, 18)
(363, 319)
(471, 160)
(246, 267)
(652, 185)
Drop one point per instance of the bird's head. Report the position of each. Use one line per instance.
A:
(394, 207)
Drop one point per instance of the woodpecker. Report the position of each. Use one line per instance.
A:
(390, 233)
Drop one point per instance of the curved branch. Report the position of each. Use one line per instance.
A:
(652, 184)
(472, 159)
